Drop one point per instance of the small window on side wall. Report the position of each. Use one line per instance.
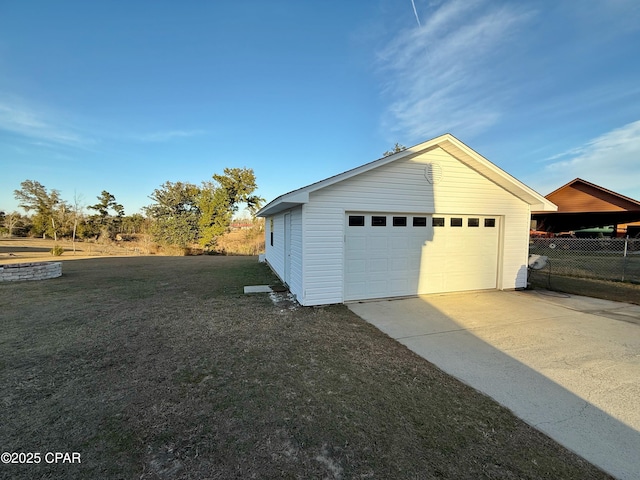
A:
(378, 221)
(437, 221)
(490, 222)
(419, 221)
(399, 221)
(473, 222)
(456, 222)
(356, 220)
(272, 239)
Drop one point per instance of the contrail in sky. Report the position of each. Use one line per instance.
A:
(415, 12)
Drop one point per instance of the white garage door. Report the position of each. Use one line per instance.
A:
(389, 255)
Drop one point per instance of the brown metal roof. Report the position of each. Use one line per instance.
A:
(582, 204)
(582, 196)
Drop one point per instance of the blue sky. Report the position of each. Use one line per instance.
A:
(123, 96)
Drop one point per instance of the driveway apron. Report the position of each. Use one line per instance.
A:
(567, 365)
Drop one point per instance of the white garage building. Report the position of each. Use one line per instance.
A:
(437, 217)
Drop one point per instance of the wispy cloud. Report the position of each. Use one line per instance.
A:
(611, 160)
(42, 127)
(440, 76)
(38, 126)
(168, 135)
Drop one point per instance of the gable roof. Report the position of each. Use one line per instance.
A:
(448, 143)
(581, 196)
(583, 204)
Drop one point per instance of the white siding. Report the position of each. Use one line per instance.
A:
(323, 250)
(296, 258)
(275, 254)
(401, 187)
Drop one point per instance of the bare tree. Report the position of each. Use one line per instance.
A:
(396, 148)
(76, 212)
(11, 222)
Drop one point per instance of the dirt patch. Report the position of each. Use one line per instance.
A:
(284, 300)
(161, 367)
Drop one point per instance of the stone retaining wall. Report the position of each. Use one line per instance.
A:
(18, 272)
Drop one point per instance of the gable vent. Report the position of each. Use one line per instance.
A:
(433, 173)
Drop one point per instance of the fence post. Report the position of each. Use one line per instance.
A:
(624, 259)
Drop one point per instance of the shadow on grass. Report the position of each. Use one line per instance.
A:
(26, 250)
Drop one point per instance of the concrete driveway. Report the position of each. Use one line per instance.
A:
(568, 365)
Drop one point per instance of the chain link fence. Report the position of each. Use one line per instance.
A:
(615, 259)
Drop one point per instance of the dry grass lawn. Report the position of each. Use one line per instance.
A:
(19, 250)
(161, 368)
(588, 287)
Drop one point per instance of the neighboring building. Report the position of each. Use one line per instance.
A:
(241, 225)
(437, 217)
(586, 206)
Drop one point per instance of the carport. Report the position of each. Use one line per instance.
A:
(567, 365)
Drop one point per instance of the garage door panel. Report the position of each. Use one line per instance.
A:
(436, 284)
(356, 289)
(463, 281)
(357, 266)
(378, 287)
(400, 242)
(379, 265)
(398, 287)
(378, 243)
(456, 243)
(356, 247)
(400, 265)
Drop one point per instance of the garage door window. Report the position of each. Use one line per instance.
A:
(419, 221)
(437, 221)
(490, 222)
(378, 221)
(473, 222)
(399, 221)
(356, 220)
(456, 222)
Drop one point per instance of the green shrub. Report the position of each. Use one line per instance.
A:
(57, 250)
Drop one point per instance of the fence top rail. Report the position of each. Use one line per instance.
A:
(586, 241)
(577, 239)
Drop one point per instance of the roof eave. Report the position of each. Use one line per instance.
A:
(284, 202)
(473, 159)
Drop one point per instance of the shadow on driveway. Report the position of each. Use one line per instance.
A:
(567, 365)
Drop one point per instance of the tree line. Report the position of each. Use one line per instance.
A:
(182, 214)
